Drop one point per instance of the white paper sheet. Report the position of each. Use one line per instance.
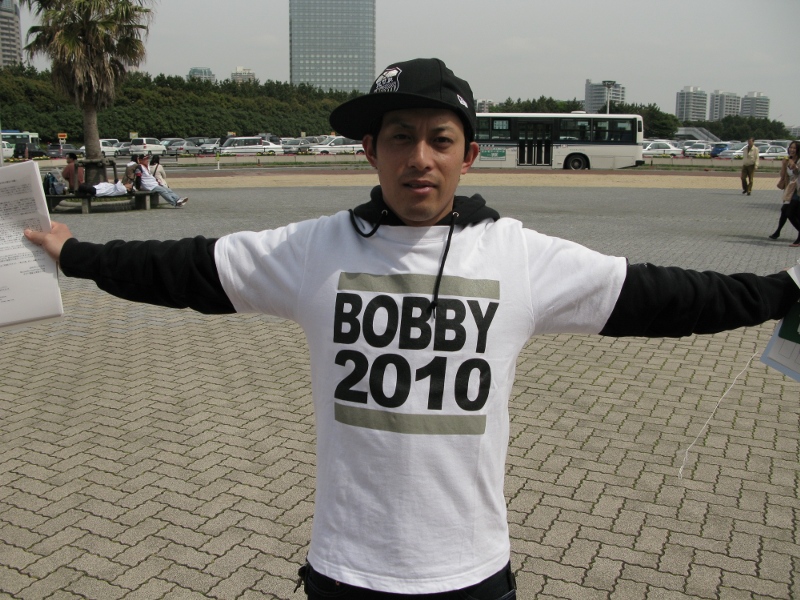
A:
(28, 276)
(783, 350)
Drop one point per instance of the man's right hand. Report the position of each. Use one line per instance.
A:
(53, 241)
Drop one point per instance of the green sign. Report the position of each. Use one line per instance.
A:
(493, 153)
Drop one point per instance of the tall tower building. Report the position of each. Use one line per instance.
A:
(723, 104)
(332, 43)
(597, 96)
(10, 33)
(755, 104)
(691, 104)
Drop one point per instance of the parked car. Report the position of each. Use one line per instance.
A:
(210, 147)
(739, 152)
(698, 149)
(717, 148)
(27, 150)
(296, 146)
(177, 147)
(61, 150)
(199, 140)
(732, 149)
(8, 150)
(124, 148)
(249, 145)
(170, 151)
(773, 152)
(146, 145)
(107, 148)
(660, 148)
(338, 145)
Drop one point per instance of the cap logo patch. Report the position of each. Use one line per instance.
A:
(462, 101)
(388, 81)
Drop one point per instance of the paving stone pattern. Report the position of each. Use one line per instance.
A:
(149, 453)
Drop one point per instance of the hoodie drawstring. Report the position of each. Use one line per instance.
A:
(435, 301)
(384, 212)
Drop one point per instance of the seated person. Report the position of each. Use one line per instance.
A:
(73, 173)
(146, 181)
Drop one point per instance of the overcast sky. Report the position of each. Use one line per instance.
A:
(519, 48)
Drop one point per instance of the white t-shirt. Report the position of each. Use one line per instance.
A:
(412, 413)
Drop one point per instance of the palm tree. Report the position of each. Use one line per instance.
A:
(91, 45)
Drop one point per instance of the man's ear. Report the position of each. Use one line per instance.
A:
(472, 153)
(369, 150)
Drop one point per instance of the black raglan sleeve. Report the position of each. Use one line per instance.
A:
(673, 302)
(176, 274)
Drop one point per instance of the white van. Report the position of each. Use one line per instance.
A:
(149, 146)
(249, 145)
(338, 145)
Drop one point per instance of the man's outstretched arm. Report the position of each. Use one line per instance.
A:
(175, 273)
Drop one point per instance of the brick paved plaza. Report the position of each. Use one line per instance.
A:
(148, 453)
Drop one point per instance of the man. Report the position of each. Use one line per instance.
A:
(73, 174)
(415, 306)
(749, 166)
(148, 182)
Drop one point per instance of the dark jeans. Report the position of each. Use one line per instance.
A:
(500, 586)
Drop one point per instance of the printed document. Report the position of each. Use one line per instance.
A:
(783, 351)
(28, 276)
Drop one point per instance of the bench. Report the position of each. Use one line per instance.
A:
(138, 199)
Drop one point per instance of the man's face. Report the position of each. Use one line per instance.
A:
(750, 142)
(419, 155)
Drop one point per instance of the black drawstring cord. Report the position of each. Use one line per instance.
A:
(384, 212)
(435, 301)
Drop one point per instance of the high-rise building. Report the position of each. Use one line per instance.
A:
(483, 106)
(723, 104)
(755, 104)
(598, 94)
(10, 33)
(332, 43)
(691, 104)
(241, 74)
(794, 131)
(202, 73)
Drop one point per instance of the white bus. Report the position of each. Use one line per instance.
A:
(14, 137)
(574, 140)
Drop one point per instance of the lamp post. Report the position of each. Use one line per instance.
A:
(609, 85)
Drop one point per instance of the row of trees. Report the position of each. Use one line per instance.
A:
(165, 106)
(171, 106)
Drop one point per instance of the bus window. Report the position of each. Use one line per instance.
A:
(483, 128)
(622, 130)
(601, 131)
(574, 130)
(500, 129)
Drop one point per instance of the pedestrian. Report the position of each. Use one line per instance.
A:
(787, 183)
(72, 173)
(749, 165)
(157, 171)
(415, 305)
(147, 182)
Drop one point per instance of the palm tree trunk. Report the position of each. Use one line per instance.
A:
(94, 163)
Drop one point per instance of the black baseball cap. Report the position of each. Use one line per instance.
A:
(418, 83)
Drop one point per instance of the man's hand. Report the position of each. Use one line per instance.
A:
(53, 241)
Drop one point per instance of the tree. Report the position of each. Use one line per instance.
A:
(91, 45)
(657, 124)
